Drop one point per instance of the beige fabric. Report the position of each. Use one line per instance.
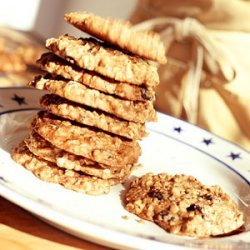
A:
(214, 14)
(206, 80)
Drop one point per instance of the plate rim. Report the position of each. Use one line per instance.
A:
(150, 241)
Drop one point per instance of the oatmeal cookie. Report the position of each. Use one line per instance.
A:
(70, 110)
(45, 150)
(128, 110)
(143, 43)
(55, 65)
(49, 172)
(96, 56)
(85, 141)
(182, 205)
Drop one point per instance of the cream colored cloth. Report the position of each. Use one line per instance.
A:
(214, 14)
(207, 78)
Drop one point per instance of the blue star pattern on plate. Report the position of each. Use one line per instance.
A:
(234, 156)
(178, 129)
(207, 141)
(20, 100)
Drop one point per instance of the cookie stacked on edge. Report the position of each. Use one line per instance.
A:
(102, 95)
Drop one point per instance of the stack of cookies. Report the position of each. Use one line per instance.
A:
(101, 96)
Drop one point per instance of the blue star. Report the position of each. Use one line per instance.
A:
(207, 141)
(234, 156)
(178, 129)
(18, 99)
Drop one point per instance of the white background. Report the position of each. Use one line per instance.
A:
(45, 17)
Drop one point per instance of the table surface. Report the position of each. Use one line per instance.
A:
(20, 230)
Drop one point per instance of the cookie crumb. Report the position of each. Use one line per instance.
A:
(125, 217)
(141, 221)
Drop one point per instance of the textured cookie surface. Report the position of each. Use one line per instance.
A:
(121, 34)
(45, 150)
(55, 65)
(77, 92)
(96, 56)
(84, 141)
(63, 108)
(49, 172)
(182, 205)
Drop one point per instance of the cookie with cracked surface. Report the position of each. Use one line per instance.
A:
(128, 110)
(45, 150)
(120, 33)
(85, 141)
(182, 205)
(56, 65)
(96, 56)
(49, 172)
(72, 111)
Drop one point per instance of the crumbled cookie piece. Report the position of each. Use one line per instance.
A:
(125, 217)
(143, 43)
(45, 150)
(64, 108)
(49, 172)
(128, 110)
(182, 205)
(56, 65)
(85, 141)
(96, 56)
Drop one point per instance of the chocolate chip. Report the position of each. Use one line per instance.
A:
(164, 212)
(145, 94)
(194, 207)
(155, 193)
(207, 197)
(171, 218)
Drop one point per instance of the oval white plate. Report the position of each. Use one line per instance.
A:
(173, 146)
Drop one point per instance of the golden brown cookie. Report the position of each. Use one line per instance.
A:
(96, 56)
(77, 92)
(49, 172)
(45, 150)
(70, 110)
(56, 65)
(182, 205)
(119, 33)
(85, 141)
